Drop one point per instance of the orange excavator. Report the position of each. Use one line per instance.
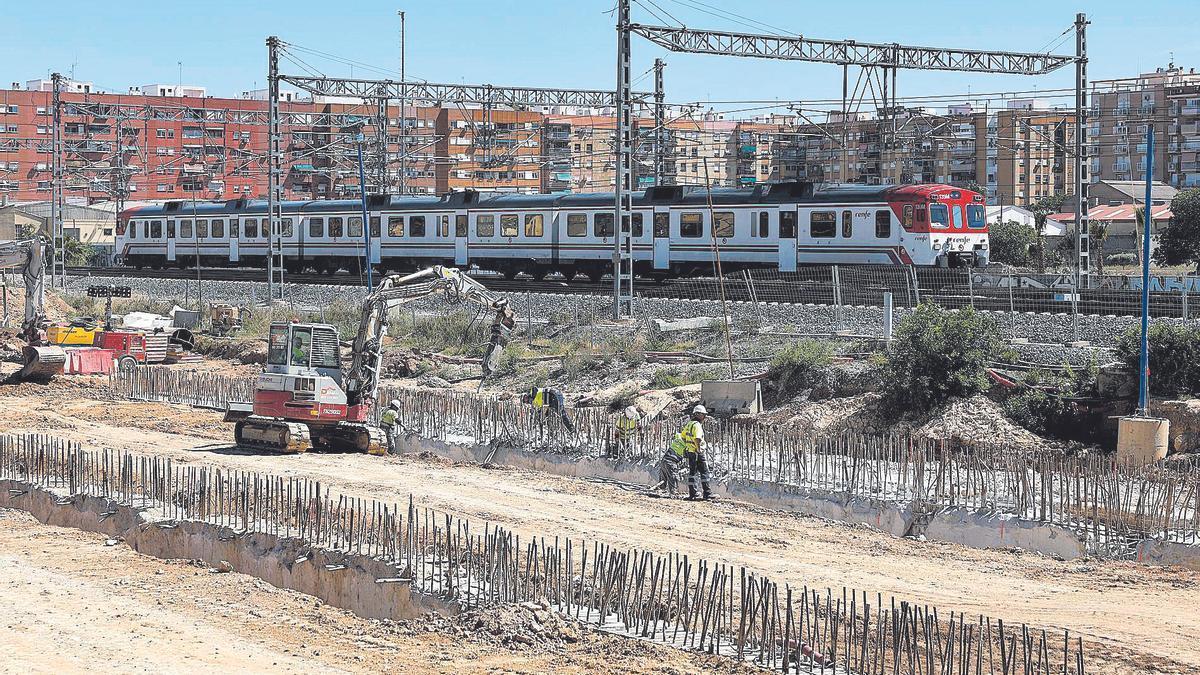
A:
(304, 399)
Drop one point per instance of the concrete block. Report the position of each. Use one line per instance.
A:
(731, 397)
(1142, 439)
(981, 529)
(694, 323)
(1154, 552)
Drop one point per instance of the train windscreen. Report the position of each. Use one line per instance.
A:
(939, 215)
(975, 217)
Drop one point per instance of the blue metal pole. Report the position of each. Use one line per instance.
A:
(362, 189)
(1144, 378)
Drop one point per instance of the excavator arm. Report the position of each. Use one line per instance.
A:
(362, 379)
(42, 362)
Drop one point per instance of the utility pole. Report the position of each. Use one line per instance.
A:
(274, 177)
(381, 143)
(402, 182)
(660, 123)
(1147, 221)
(1083, 243)
(366, 219)
(58, 270)
(622, 186)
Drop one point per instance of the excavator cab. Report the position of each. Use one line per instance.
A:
(304, 349)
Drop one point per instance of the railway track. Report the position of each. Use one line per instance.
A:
(800, 290)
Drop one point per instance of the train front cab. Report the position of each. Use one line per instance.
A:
(943, 226)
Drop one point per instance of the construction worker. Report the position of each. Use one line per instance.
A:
(388, 423)
(626, 424)
(668, 466)
(551, 399)
(693, 437)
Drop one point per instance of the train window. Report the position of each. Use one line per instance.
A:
(285, 226)
(638, 228)
(691, 225)
(754, 223)
(883, 224)
(133, 230)
(847, 224)
(939, 215)
(975, 217)
(354, 227)
(336, 228)
(920, 214)
(907, 219)
(460, 225)
(395, 226)
(485, 226)
(958, 217)
(577, 225)
(787, 224)
(602, 225)
(508, 225)
(202, 229)
(185, 229)
(662, 225)
(416, 226)
(444, 227)
(155, 229)
(374, 227)
(533, 225)
(316, 227)
(170, 229)
(218, 229)
(764, 224)
(822, 224)
(250, 228)
(723, 224)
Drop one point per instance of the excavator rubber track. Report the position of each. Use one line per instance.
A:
(351, 437)
(42, 363)
(265, 433)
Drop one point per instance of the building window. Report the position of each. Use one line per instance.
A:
(508, 225)
(316, 227)
(691, 225)
(822, 224)
(533, 225)
(847, 224)
(485, 226)
(395, 226)
(416, 226)
(883, 224)
(577, 225)
(602, 225)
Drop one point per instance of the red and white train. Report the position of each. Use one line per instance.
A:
(674, 229)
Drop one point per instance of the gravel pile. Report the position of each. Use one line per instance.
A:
(977, 421)
(532, 625)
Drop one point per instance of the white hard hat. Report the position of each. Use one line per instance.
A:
(395, 403)
(631, 412)
(700, 409)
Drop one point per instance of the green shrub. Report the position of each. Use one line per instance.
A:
(1011, 243)
(1039, 412)
(1174, 357)
(675, 376)
(938, 355)
(799, 366)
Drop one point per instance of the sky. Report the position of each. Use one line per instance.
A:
(569, 43)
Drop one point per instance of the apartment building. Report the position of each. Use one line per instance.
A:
(497, 150)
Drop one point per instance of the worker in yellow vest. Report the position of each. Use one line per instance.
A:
(626, 427)
(668, 466)
(388, 423)
(545, 398)
(693, 437)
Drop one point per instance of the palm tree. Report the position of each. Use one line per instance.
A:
(1098, 234)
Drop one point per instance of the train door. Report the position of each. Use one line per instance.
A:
(171, 225)
(460, 238)
(662, 238)
(235, 228)
(374, 240)
(787, 238)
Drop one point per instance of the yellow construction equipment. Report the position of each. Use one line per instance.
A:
(71, 335)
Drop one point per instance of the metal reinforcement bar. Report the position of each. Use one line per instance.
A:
(672, 599)
(1112, 504)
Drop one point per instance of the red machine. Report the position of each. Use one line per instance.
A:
(303, 399)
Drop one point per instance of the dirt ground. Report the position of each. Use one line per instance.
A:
(1135, 618)
(75, 604)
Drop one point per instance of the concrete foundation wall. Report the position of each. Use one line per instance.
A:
(959, 526)
(275, 560)
(1154, 552)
